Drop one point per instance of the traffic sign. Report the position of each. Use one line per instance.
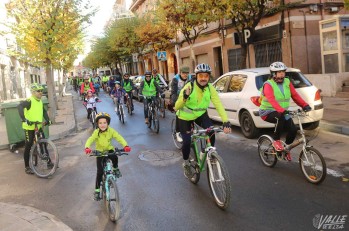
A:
(161, 55)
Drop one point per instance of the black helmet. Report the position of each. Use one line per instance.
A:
(127, 74)
(147, 73)
(103, 115)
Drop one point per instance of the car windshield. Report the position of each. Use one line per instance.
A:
(297, 79)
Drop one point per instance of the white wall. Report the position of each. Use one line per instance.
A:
(330, 84)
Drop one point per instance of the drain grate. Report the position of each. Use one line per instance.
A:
(160, 157)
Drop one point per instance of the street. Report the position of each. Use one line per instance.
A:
(156, 196)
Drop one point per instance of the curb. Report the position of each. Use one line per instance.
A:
(20, 217)
(344, 130)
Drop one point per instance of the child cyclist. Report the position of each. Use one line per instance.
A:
(103, 136)
(90, 102)
(118, 94)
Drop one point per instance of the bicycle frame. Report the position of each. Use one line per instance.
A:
(208, 148)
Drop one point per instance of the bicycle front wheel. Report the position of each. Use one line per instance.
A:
(113, 201)
(129, 106)
(43, 158)
(178, 142)
(162, 108)
(219, 181)
(122, 115)
(266, 151)
(313, 165)
(156, 122)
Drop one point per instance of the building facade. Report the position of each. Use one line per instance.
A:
(291, 36)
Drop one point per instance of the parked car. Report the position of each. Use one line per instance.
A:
(137, 82)
(239, 92)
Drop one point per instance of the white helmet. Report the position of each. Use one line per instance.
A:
(277, 66)
(202, 68)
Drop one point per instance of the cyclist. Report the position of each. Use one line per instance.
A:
(191, 106)
(96, 80)
(149, 88)
(158, 78)
(117, 94)
(32, 110)
(162, 84)
(177, 84)
(276, 95)
(90, 102)
(86, 85)
(111, 84)
(127, 84)
(103, 136)
(105, 80)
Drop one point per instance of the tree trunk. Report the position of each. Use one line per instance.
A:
(192, 57)
(242, 64)
(50, 91)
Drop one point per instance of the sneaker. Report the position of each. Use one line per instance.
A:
(146, 121)
(278, 145)
(117, 172)
(179, 137)
(28, 170)
(187, 170)
(96, 195)
(288, 156)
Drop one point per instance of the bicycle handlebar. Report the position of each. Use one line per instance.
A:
(207, 130)
(44, 123)
(116, 152)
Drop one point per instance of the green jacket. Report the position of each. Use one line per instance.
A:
(104, 139)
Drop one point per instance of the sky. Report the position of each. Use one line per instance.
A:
(98, 21)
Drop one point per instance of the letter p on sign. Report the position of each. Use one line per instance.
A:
(247, 35)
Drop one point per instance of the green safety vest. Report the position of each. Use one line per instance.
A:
(127, 86)
(34, 114)
(193, 109)
(105, 78)
(157, 78)
(149, 89)
(282, 98)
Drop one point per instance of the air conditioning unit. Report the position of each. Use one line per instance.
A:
(333, 9)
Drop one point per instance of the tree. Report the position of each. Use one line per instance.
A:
(190, 17)
(48, 31)
(246, 14)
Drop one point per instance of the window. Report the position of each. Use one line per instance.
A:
(297, 79)
(220, 85)
(237, 83)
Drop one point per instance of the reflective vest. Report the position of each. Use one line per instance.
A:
(192, 108)
(149, 89)
(34, 114)
(127, 86)
(105, 79)
(157, 78)
(282, 98)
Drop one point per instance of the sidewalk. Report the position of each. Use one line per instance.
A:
(336, 115)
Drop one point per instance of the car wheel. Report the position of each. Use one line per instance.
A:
(248, 127)
(311, 126)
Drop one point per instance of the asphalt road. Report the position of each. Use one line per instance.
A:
(156, 196)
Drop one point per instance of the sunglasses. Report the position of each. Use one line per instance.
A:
(40, 91)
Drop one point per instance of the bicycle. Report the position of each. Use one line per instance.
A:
(161, 107)
(109, 191)
(129, 103)
(43, 156)
(93, 119)
(176, 136)
(152, 113)
(119, 109)
(217, 172)
(311, 161)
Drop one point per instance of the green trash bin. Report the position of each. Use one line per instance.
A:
(15, 132)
